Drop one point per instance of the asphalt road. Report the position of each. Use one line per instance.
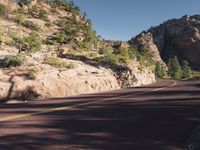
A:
(160, 116)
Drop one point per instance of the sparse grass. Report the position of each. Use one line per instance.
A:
(58, 63)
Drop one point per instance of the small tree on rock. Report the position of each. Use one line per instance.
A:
(186, 70)
(160, 70)
(174, 68)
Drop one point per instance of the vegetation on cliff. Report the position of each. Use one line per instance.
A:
(71, 36)
(60, 28)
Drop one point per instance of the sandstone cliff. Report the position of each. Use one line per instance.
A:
(179, 37)
(15, 83)
(51, 50)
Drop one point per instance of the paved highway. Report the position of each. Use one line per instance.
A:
(160, 116)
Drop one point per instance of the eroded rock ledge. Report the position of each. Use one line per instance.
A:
(54, 82)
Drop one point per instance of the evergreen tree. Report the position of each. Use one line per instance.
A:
(174, 68)
(159, 70)
(186, 70)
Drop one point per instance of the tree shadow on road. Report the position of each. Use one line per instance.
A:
(156, 120)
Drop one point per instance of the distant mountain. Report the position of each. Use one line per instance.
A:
(180, 37)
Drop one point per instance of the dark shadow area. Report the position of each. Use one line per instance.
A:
(21, 95)
(27, 93)
(158, 120)
(197, 85)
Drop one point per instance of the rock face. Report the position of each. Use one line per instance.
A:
(179, 37)
(70, 70)
(146, 40)
(54, 82)
(133, 76)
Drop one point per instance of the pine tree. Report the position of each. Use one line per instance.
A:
(186, 70)
(159, 70)
(174, 68)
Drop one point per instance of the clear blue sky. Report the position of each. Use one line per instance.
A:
(122, 19)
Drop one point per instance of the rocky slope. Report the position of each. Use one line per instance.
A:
(179, 37)
(15, 83)
(58, 65)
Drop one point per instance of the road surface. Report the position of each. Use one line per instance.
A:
(160, 116)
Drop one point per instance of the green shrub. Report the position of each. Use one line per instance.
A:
(50, 41)
(20, 19)
(12, 34)
(196, 75)
(2, 9)
(13, 61)
(31, 25)
(83, 45)
(133, 52)
(110, 59)
(43, 15)
(73, 55)
(125, 58)
(57, 63)
(57, 3)
(63, 4)
(186, 70)
(144, 59)
(105, 50)
(10, 42)
(124, 54)
(174, 68)
(33, 42)
(160, 70)
(61, 37)
(143, 51)
(19, 43)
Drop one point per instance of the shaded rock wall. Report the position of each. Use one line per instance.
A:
(179, 37)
